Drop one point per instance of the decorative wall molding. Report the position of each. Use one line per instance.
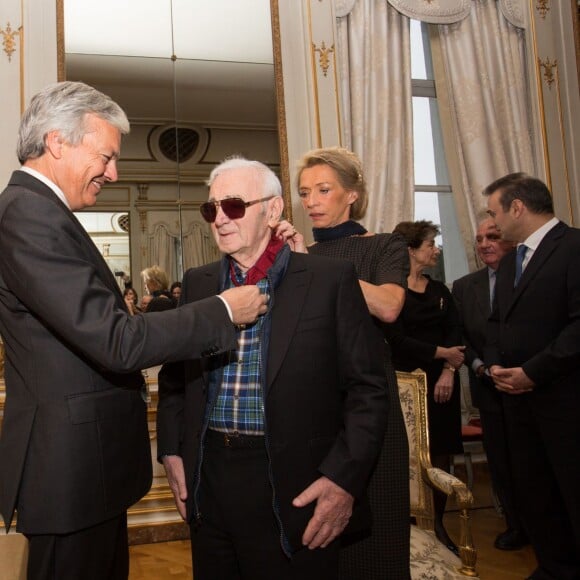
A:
(323, 56)
(550, 70)
(9, 39)
(543, 7)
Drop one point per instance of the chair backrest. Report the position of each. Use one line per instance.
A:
(413, 397)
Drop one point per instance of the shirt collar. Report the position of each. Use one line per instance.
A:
(41, 177)
(534, 240)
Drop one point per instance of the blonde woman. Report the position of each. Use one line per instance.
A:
(332, 189)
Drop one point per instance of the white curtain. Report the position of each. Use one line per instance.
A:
(161, 251)
(486, 81)
(198, 247)
(374, 59)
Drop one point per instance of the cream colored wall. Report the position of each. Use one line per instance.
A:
(307, 29)
(29, 26)
(552, 61)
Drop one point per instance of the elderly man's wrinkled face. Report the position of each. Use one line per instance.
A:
(86, 167)
(145, 300)
(490, 246)
(245, 238)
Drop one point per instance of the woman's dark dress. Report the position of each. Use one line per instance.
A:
(384, 555)
(430, 319)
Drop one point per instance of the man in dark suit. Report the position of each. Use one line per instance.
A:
(473, 294)
(269, 448)
(74, 448)
(534, 359)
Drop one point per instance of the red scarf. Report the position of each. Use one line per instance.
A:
(264, 263)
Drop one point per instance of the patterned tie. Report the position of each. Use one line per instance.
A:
(521, 254)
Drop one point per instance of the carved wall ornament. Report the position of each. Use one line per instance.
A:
(143, 224)
(143, 189)
(324, 56)
(9, 41)
(550, 70)
(543, 7)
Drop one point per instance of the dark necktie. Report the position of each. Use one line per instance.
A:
(520, 255)
(492, 280)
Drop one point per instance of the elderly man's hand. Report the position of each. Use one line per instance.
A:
(246, 302)
(331, 515)
(176, 478)
(512, 381)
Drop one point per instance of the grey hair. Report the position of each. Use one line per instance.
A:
(272, 185)
(63, 107)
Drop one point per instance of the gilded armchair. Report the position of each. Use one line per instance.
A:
(429, 557)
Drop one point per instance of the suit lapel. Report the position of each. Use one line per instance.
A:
(289, 300)
(542, 253)
(481, 291)
(23, 179)
(202, 286)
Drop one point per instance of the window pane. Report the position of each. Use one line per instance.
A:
(427, 208)
(424, 157)
(421, 66)
(429, 157)
(439, 208)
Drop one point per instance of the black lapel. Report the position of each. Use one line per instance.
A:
(23, 179)
(547, 246)
(288, 302)
(481, 291)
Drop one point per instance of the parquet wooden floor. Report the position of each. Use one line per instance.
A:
(172, 560)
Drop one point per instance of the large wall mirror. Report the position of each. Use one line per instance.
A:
(198, 81)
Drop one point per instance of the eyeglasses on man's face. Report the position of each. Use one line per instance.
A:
(233, 207)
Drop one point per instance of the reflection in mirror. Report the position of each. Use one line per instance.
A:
(197, 82)
(110, 232)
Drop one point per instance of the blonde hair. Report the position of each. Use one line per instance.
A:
(348, 169)
(156, 277)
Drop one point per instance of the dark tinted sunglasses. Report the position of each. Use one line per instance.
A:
(233, 207)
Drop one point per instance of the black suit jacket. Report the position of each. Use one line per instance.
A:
(471, 295)
(325, 391)
(537, 324)
(74, 447)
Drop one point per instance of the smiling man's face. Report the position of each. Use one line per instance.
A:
(84, 168)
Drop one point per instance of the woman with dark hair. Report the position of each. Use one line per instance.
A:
(175, 291)
(333, 192)
(131, 300)
(427, 335)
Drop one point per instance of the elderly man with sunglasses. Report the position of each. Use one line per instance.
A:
(268, 448)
